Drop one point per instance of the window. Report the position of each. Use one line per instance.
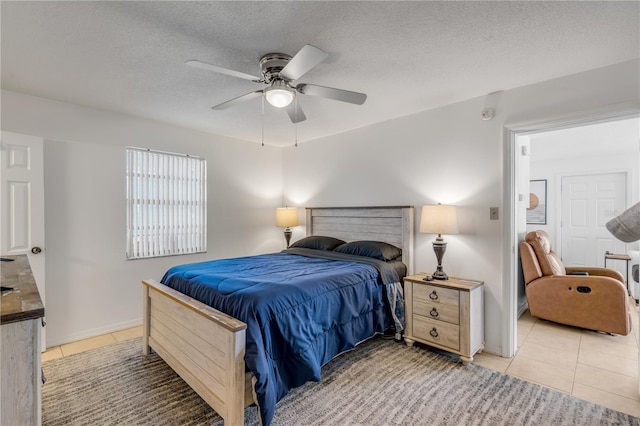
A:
(166, 204)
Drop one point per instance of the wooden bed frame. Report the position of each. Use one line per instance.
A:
(206, 347)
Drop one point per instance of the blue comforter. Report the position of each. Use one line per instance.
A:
(300, 311)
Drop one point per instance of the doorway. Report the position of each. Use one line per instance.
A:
(590, 151)
(22, 201)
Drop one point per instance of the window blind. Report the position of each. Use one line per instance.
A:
(166, 204)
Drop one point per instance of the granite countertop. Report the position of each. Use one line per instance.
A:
(23, 301)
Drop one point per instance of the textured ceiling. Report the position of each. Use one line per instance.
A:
(407, 56)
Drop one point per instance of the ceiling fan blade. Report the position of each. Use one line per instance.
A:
(239, 99)
(203, 65)
(331, 93)
(295, 114)
(306, 58)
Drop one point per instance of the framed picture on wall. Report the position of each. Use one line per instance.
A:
(537, 210)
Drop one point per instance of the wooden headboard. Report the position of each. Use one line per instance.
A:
(393, 225)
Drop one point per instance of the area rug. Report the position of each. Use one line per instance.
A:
(381, 382)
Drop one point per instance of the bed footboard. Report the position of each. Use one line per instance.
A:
(204, 346)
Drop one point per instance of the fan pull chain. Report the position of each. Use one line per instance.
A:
(262, 120)
(295, 125)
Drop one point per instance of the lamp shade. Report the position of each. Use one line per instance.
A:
(439, 219)
(286, 216)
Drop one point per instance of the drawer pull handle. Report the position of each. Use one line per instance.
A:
(434, 313)
(433, 295)
(433, 332)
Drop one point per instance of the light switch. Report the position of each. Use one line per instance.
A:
(493, 213)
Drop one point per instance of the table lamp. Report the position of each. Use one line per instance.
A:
(285, 218)
(439, 219)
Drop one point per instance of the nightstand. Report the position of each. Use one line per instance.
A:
(445, 314)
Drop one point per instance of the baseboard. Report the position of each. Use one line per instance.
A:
(497, 350)
(493, 350)
(522, 308)
(86, 334)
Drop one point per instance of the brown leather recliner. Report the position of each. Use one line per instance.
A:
(598, 301)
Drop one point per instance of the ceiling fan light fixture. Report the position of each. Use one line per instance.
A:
(279, 95)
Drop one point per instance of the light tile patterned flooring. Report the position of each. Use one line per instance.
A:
(91, 343)
(591, 366)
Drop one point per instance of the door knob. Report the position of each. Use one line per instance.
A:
(36, 250)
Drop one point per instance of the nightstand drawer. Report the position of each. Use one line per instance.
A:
(442, 333)
(437, 311)
(433, 294)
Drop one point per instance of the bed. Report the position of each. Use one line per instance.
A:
(207, 347)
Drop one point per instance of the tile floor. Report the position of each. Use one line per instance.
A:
(591, 366)
(91, 343)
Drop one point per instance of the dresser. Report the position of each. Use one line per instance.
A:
(21, 313)
(445, 314)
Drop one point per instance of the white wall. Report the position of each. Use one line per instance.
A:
(91, 288)
(450, 155)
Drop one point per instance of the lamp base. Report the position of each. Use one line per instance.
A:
(287, 235)
(439, 274)
(439, 247)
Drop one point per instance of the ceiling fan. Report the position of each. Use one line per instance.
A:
(279, 71)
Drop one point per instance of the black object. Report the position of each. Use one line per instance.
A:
(3, 288)
(389, 333)
(6, 259)
(583, 289)
(579, 273)
(634, 273)
(428, 278)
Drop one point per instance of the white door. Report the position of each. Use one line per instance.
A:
(588, 203)
(22, 203)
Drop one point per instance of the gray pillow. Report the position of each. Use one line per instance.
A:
(375, 249)
(317, 242)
